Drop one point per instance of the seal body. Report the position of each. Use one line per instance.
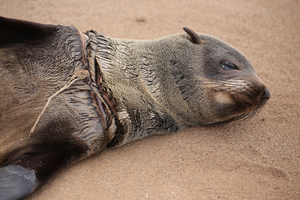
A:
(67, 95)
(33, 67)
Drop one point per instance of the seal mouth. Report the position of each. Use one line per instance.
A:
(254, 109)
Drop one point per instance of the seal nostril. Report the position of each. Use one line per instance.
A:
(266, 94)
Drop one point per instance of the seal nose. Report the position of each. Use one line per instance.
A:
(266, 94)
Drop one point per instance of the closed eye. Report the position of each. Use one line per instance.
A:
(228, 65)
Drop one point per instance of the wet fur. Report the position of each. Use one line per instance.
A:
(31, 70)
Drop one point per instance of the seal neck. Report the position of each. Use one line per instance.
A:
(130, 73)
(138, 77)
(107, 109)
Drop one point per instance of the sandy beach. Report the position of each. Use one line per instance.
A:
(256, 159)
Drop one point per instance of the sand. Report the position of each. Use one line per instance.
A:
(256, 159)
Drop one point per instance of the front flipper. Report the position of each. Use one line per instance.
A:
(29, 168)
(20, 31)
(15, 182)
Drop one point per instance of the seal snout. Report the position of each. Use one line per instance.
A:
(266, 95)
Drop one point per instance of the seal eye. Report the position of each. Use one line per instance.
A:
(228, 65)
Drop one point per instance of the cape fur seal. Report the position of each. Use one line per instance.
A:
(66, 95)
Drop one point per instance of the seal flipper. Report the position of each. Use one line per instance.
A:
(20, 31)
(44, 160)
(15, 182)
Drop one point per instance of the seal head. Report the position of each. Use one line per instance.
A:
(223, 80)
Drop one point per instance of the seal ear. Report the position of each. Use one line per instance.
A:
(194, 36)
